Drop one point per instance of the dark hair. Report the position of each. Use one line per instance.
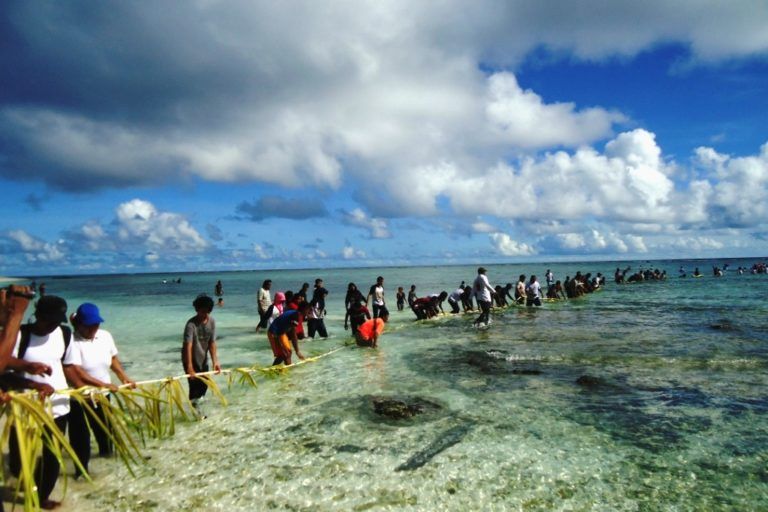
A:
(266, 283)
(317, 281)
(203, 302)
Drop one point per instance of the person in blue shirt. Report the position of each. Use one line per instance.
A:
(282, 334)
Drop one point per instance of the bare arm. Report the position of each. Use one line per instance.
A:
(214, 356)
(117, 367)
(77, 378)
(32, 368)
(13, 303)
(188, 367)
(295, 343)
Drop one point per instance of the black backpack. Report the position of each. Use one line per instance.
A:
(26, 332)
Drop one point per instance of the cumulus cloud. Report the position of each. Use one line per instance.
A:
(696, 244)
(628, 182)
(377, 227)
(232, 95)
(524, 120)
(350, 253)
(282, 207)
(505, 245)
(393, 101)
(138, 221)
(35, 249)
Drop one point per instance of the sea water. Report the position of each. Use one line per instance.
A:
(648, 396)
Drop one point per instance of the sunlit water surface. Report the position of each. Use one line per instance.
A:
(672, 415)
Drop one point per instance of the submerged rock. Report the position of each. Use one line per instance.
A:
(401, 408)
(447, 439)
(397, 409)
(350, 448)
(589, 381)
(723, 325)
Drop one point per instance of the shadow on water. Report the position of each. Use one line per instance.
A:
(628, 413)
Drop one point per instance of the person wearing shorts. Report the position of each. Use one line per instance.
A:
(282, 334)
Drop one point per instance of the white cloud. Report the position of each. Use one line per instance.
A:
(34, 249)
(350, 253)
(483, 227)
(377, 227)
(508, 247)
(628, 182)
(140, 222)
(261, 252)
(524, 120)
(694, 244)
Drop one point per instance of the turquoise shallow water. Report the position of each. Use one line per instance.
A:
(674, 418)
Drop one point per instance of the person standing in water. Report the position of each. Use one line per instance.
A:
(533, 292)
(282, 334)
(263, 303)
(484, 295)
(377, 294)
(40, 352)
(94, 354)
(199, 341)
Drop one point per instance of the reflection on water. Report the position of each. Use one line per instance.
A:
(643, 397)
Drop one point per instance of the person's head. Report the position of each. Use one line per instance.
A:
(481, 270)
(220, 302)
(267, 284)
(443, 295)
(379, 280)
(279, 298)
(318, 283)
(351, 287)
(50, 312)
(522, 277)
(384, 317)
(87, 320)
(400, 289)
(289, 296)
(305, 286)
(203, 304)
(533, 278)
(413, 287)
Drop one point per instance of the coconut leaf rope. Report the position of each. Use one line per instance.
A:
(150, 409)
(30, 422)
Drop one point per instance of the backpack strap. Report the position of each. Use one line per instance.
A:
(26, 331)
(24, 342)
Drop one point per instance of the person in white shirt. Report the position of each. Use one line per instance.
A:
(533, 293)
(550, 277)
(93, 355)
(40, 349)
(483, 294)
(263, 303)
(377, 294)
(454, 300)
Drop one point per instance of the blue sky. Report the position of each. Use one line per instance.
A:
(236, 135)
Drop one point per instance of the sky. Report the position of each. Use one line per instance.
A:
(210, 135)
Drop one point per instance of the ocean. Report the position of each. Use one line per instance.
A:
(648, 396)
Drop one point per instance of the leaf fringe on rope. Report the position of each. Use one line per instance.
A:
(150, 410)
